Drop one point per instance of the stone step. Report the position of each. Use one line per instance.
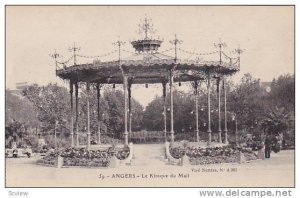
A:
(148, 162)
(148, 154)
(152, 158)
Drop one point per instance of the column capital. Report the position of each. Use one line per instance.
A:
(76, 88)
(224, 82)
(129, 84)
(195, 85)
(71, 86)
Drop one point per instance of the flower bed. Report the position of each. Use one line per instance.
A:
(212, 155)
(84, 157)
(123, 154)
(49, 160)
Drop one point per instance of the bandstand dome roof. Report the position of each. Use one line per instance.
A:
(147, 65)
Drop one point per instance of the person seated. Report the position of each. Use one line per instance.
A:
(15, 153)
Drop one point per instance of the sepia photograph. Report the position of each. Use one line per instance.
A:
(149, 96)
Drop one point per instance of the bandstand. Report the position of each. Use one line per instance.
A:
(148, 66)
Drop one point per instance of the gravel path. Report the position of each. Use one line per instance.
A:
(275, 172)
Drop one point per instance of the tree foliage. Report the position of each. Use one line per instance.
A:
(52, 102)
(255, 108)
(247, 101)
(20, 109)
(279, 114)
(53, 105)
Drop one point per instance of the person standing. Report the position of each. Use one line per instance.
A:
(268, 145)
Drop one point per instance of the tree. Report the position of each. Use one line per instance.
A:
(271, 111)
(52, 102)
(280, 106)
(115, 101)
(153, 117)
(137, 115)
(277, 121)
(183, 117)
(15, 131)
(247, 101)
(104, 117)
(282, 92)
(20, 109)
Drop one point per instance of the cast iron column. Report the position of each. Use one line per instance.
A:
(165, 111)
(88, 115)
(171, 111)
(219, 110)
(125, 82)
(72, 120)
(129, 108)
(236, 130)
(208, 110)
(225, 112)
(196, 110)
(76, 114)
(98, 112)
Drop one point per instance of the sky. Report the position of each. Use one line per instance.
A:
(266, 34)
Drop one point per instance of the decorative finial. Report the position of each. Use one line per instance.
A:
(219, 45)
(55, 56)
(146, 27)
(74, 49)
(148, 44)
(119, 43)
(175, 42)
(239, 51)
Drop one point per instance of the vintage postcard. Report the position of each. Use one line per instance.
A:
(150, 96)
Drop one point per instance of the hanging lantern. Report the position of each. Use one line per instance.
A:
(179, 84)
(146, 85)
(114, 85)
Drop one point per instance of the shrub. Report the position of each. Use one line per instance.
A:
(84, 157)
(49, 159)
(211, 155)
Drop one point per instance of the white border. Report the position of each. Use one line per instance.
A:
(124, 192)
